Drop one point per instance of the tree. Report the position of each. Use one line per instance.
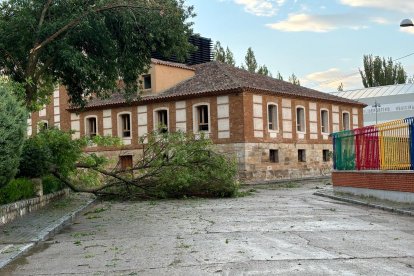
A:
(279, 76)
(263, 70)
(172, 165)
(219, 53)
(341, 87)
(13, 125)
(294, 80)
(230, 57)
(87, 45)
(250, 60)
(378, 72)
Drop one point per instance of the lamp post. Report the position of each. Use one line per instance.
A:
(376, 105)
(406, 23)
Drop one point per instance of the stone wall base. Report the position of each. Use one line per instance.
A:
(17, 209)
(381, 194)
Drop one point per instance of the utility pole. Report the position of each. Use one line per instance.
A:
(376, 105)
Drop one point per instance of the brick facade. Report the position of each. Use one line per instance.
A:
(238, 125)
(400, 181)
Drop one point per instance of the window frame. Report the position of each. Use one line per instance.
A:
(304, 119)
(325, 158)
(143, 81)
(302, 157)
(196, 117)
(327, 123)
(275, 154)
(349, 120)
(121, 157)
(121, 123)
(40, 125)
(276, 117)
(86, 125)
(155, 119)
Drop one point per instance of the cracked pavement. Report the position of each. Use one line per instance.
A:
(273, 231)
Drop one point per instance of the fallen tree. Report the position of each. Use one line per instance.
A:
(172, 165)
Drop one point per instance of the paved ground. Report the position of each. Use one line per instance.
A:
(23, 233)
(274, 231)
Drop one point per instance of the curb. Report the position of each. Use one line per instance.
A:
(362, 203)
(47, 233)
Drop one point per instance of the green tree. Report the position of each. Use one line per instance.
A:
(341, 87)
(13, 125)
(230, 57)
(219, 53)
(87, 45)
(379, 71)
(250, 61)
(279, 76)
(263, 70)
(294, 80)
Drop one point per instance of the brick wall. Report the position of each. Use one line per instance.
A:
(401, 181)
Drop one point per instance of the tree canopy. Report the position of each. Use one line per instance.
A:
(225, 56)
(87, 45)
(379, 71)
(294, 80)
(250, 60)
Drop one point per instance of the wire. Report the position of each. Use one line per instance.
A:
(352, 74)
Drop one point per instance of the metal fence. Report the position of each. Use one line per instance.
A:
(387, 146)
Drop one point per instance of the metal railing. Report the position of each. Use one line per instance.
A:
(386, 146)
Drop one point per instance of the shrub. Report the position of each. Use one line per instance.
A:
(35, 158)
(17, 189)
(13, 125)
(51, 184)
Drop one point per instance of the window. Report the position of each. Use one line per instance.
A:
(324, 121)
(325, 155)
(43, 125)
(147, 81)
(202, 118)
(301, 155)
(161, 120)
(90, 126)
(125, 125)
(300, 119)
(345, 121)
(272, 116)
(274, 156)
(125, 162)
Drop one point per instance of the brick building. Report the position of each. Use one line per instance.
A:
(275, 129)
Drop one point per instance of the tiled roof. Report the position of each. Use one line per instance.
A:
(171, 64)
(217, 77)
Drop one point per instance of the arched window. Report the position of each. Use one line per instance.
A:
(345, 121)
(300, 119)
(161, 120)
(124, 125)
(324, 121)
(272, 118)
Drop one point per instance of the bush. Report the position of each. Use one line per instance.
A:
(17, 189)
(35, 159)
(51, 184)
(13, 126)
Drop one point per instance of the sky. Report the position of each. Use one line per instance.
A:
(322, 41)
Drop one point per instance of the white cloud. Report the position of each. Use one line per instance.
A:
(409, 30)
(261, 7)
(319, 23)
(329, 80)
(404, 6)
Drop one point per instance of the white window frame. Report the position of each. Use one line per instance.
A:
(349, 120)
(277, 117)
(304, 119)
(195, 118)
(155, 117)
(119, 124)
(86, 124)
(327, 131)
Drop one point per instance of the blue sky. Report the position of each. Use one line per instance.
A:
(320, 41)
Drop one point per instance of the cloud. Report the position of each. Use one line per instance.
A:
(409, 30)
(261, 7)
(303, 22)
(404, 6)
(330, 79)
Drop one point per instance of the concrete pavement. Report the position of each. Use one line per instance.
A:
(279, 230)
